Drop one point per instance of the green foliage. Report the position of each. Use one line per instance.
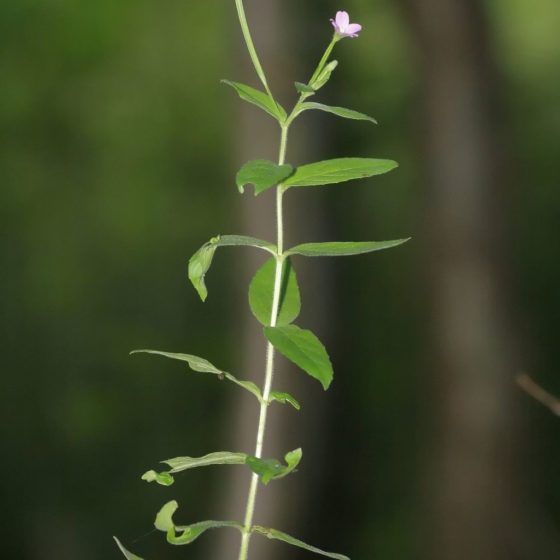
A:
(261, 292)
(284, 398)
(263, 174)
(200, 262)
(204, 366)
(278, 535)
(260, 99)
(304, 88)
(324, 76)
(185, 534)
(342, 248)
(338, 171)
(339, 111)
(272, 469)
(304, 349)
(179, 464)
(128, 555)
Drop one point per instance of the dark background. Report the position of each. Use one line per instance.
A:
(118, 148)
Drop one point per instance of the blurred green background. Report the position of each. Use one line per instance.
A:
(118, 148)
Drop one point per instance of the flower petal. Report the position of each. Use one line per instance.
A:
(353, 29)
(342, 21)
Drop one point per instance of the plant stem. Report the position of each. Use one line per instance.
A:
(251, 46)
(269, 369)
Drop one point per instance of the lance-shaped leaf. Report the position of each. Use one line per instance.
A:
(263, 174)
(260, 99)
(284, 398)
(179, 534)
(201, 261)
(204, 366)
(179, 464)
(343, 248)
(261, 292)
(304, 349)
(127, 554)
(338, 171)
(278, 535)
(272, 469)
(339, 111)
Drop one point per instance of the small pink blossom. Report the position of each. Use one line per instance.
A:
(343, 27)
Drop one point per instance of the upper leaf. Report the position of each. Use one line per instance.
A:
(164, 522)
(261, 293)
(339, 111)
(127, 554)
(337, 171)
(304, 349)
(204, 366)
(271, 469)
(260, 99)
(342, 248)
(263, 174)
(278, 535)
(201, 261)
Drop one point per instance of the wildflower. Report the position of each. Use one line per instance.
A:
(343, 27)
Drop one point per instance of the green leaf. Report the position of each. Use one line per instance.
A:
(263, 174)
(201, 261)
(204, 366)
(324, 76)
(304, 88)
(261, 293)
(343, 248)
(260, 99)
(128, 555)
(339, 111)
(271, 469)
(284, 398)
(278, 535)
(164, 522)
(162, 478)
(164, 517)
(179, 464)
(337, 171)
(304, 349)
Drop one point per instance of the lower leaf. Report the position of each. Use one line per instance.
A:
(127, 554)
(185, 534)
(278, 535)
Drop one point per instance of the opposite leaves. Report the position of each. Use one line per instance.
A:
(338, 171)
(304, 349)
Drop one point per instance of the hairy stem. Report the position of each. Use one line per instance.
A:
(269, 369)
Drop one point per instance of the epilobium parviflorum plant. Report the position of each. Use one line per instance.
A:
(274, 295)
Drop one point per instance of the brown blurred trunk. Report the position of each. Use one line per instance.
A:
(283, 504)
(472, 485)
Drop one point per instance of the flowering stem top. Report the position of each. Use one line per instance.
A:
(343, 27)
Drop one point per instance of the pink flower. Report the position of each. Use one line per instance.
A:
(343, 27)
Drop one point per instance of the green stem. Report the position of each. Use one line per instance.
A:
(251, 46)
(325, 58)
(269, 369)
